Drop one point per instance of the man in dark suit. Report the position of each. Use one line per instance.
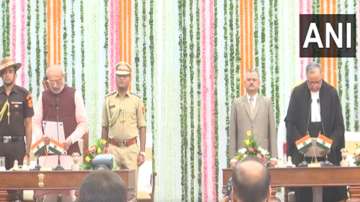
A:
(315, 108)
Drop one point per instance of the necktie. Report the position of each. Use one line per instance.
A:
(252, 105)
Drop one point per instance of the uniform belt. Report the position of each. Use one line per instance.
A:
(7, 139)
(123, 143)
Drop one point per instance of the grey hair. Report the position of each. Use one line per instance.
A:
(312, 66)
(59, 66)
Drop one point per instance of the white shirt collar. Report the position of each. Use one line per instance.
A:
(315, 95)
(315, 107)
(254, 96)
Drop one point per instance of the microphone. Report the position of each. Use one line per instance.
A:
(304, 163)
(58, 167)
(321, 120)
(57, 117)
(326, 162)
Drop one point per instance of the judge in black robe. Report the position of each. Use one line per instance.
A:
(298, 123)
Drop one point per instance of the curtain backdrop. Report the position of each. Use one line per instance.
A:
(188, 58)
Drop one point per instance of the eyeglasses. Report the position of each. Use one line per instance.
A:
(53, 82)
(314, 82)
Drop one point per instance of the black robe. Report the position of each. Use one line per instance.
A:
(297, 119)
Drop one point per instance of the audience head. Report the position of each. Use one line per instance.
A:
(103, 186)
(251, 181)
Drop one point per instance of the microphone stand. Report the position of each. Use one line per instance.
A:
(37, 167)
(326, 162)
(304, 163)
(58, 167)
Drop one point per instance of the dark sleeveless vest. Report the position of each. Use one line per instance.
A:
(61, 107)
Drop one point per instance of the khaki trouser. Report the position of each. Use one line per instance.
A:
(126, 158)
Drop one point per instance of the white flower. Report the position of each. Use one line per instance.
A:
(263, 151)
(242, 150)
(357, 151)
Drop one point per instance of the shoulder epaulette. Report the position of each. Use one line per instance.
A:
(111, 93)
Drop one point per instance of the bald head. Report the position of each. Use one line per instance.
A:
(55, 78)
(55, 70)
(101, 186)
(251, 181)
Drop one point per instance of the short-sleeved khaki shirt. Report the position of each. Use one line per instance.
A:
(123, 115)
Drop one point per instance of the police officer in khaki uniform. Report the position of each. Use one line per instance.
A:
(16, 113)
(124, 121)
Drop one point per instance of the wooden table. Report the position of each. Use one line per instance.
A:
(53, 180)
(309, 177)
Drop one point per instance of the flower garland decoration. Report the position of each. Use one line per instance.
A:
(28, 44)
(65, 34)
(198, 74)
(277, 77)
(184, 102)
(356, 87)
(152, 64)
(232, 52)
(226, 72)
(263, 49)
(180, 43)
(144, 47)
(237, 51)
(256, 34)
(192, 101)
(37, 28)
(347, 97)
(73, 56)
(44, 50)
(137, 54)
(6, 28)
(271, 43)
(82, 49)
